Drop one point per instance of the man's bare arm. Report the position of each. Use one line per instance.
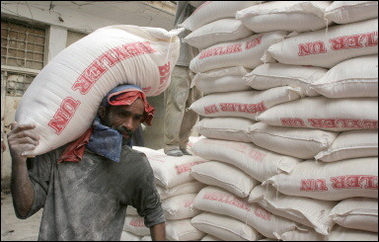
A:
(158, 232)
(20, 139)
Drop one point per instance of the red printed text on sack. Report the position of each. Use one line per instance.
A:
(313, 185)
(227, 199)
(64, 114)
(137, 223)
(262, 213)
(354, 41)
(101, 64)
(355, 182)
(186, 167)
(242, 107)
(341, 182)
(211, 109)
(254, 42)
(222, 50)
(331, 123)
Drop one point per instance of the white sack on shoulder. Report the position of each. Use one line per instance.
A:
(64, 97)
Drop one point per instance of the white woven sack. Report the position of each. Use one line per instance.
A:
(299, 16)
(222, 30)
(235, 129)
(192, 140)
(182, 230)
(307, 211)
(269, 75)
(357, 213)
(224, 227)
(341, 114)
(244, 104)
(185, 188)
(351, 144)
(130, 210)
(180, 207)
(221, 80)
(196, 4)
(146, 238)
(225, 176)
(327, 47)
(218, 201)
(330, 181)
(338, 233)
(246, 52)
(259, 163)
(135, 225)
(211, 11)
(343, 12)
(127, 236)
(64, 97)
(355, 77)
(296, 142)
(209, 237)
(170, 171)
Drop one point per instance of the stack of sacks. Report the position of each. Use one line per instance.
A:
(228, 109)
(177, 190)
(242, 140)
(340, 110)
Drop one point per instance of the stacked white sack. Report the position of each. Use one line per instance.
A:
(293, 141)
(177, 190)
(346, 172)
(228, 108)
(64, 97)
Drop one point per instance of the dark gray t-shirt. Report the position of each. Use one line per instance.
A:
(87, 200)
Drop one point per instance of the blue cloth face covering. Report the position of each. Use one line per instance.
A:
(106, 141)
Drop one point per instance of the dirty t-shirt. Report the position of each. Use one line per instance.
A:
(87, 200)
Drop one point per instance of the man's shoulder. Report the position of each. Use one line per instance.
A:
(136, 154)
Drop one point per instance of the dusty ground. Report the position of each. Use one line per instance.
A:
(14, 229)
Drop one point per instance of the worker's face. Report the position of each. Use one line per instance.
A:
(125, 119)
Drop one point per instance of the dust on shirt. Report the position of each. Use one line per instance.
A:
(87, 200)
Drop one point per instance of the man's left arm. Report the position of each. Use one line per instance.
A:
(158, 232)
(147, 201)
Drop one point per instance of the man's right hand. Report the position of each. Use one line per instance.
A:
(22, 137)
